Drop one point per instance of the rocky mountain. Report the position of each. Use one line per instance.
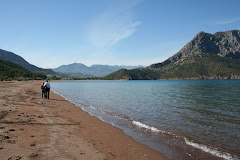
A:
(12, 57)
(81, 70)
(224, 44)
(9, 70)
(206, 56)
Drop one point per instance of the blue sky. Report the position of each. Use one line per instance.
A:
(50, 33)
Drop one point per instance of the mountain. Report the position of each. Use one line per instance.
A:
(9, 70)
(224, 44)
(73, 70)
(103, 70)
(9, 56)
(81, 70)
(206, 56)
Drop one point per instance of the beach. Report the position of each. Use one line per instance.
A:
(36, 128)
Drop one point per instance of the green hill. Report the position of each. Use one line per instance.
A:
(9, 56)
(134, 74)
(203, 66)
(206, 66)
(9, 70)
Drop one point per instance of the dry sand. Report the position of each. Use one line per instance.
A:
(36, 128)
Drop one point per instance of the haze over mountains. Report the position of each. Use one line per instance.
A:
(71, 70)
(81, 70)
(206, 56)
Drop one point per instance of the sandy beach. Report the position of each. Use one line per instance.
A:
(36, 128)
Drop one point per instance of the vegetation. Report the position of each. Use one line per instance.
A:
(134, 74)
(87, 78)
(9, 70)
(9, 56)
(202, 66)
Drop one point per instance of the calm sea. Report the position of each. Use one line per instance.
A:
(183, 119)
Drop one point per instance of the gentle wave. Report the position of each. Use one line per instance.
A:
(126, 118)
(202, 147)
(142, 125)
(76, 104)
(63, 96)
(95, 108)
(122, 117)
(153, 129)
(211, 150)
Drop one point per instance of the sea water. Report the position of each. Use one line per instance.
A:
(183, 119)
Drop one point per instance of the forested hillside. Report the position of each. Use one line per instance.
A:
(9, 70)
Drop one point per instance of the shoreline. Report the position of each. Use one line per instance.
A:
(32, 127)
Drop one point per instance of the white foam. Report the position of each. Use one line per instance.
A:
(202, 147)
(211, 150)
(153, 129)
(101, 110)
(95, 108)
(142, 125)
(119, 117)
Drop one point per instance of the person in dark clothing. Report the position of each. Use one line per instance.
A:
(43, 91)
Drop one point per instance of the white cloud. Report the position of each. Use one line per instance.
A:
(228, 21)
(113, 25)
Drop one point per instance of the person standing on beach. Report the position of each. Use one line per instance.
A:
(47, 85)
(43, 90)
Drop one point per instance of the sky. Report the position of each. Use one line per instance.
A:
(51, 33)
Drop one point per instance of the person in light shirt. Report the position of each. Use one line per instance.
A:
(47, 85)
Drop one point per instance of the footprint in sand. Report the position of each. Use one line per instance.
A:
(15, 158)
(33, 155)
(33, 144)
(4, 137)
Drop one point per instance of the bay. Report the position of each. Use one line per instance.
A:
(184, 119)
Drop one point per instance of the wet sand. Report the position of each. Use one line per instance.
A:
(36, 128)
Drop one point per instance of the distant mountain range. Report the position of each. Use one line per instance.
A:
(81, 70)
(71, 70)
(16, 59)
(206, 56)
